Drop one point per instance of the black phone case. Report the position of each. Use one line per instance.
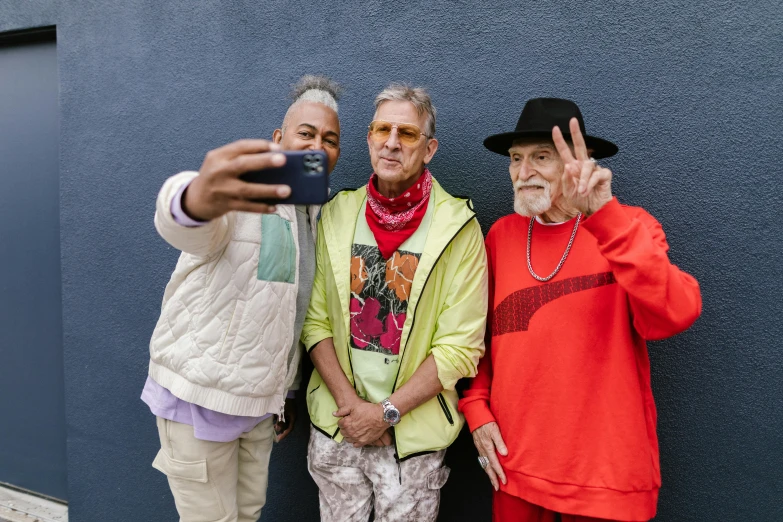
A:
(305, 171)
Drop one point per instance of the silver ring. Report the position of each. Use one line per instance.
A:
(483, 462)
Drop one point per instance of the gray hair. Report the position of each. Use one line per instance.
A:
(315, 89)
(418, 96)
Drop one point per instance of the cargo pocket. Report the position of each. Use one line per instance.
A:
(437, 479)
(277, 257)
(428, 496)
(197, 500)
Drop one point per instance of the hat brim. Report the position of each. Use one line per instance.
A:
(500, 143)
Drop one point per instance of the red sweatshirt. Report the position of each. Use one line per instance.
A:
(566, 374)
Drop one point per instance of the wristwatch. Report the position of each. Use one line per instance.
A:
(390, 413)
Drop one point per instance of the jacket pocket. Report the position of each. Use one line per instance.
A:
(277, 257)
(445, 407)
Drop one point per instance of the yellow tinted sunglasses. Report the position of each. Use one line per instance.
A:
(407, 133)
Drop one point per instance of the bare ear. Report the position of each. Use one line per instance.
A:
(432, 148)
(277, 135)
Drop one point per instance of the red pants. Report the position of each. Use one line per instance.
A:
(508, 508)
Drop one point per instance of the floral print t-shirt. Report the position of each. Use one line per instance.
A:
(379, 306)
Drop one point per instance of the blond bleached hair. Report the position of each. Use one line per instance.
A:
(314, 89)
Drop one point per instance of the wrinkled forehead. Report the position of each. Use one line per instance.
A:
(315, 115)
(400, 111)
(528, 145)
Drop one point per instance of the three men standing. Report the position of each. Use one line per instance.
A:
(562, 411)
(569, 289)
(396, 318)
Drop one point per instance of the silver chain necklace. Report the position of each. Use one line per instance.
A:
(562, 259)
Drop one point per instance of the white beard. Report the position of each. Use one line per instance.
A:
(530, 205)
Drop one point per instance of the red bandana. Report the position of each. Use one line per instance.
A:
(393, 220)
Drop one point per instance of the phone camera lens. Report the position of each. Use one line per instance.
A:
(313, 164)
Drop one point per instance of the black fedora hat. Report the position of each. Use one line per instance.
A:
(538, 118)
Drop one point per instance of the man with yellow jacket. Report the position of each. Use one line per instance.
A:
(396, 318)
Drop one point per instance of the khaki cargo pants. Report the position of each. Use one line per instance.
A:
(354, 480)
(216, 481)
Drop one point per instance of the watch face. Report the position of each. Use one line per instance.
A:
(392, 416)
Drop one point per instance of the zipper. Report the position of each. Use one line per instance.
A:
(290, 244)
(399, 464)
(445, 408)
(418, 454)
(413, 323)
(350, 359)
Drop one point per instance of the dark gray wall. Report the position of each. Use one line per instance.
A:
(692, 94)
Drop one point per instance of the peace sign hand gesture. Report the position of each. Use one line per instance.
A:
(586, 185)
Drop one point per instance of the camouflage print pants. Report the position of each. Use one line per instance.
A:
(354, 480)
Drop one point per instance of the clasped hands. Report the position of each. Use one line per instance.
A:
(362, 424)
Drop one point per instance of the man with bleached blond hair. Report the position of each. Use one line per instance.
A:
(224, 356)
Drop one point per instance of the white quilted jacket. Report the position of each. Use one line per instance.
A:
(226, 327)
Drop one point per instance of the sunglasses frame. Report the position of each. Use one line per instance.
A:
(393, 124)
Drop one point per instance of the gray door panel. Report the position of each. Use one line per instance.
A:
(32, 410)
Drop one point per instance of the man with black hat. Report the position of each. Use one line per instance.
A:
(561, 410)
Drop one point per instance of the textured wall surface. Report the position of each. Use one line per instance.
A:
(691, 93)
(16, 15)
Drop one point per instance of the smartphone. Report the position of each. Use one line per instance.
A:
(305, 171)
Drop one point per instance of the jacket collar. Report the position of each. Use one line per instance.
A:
(339, 221)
